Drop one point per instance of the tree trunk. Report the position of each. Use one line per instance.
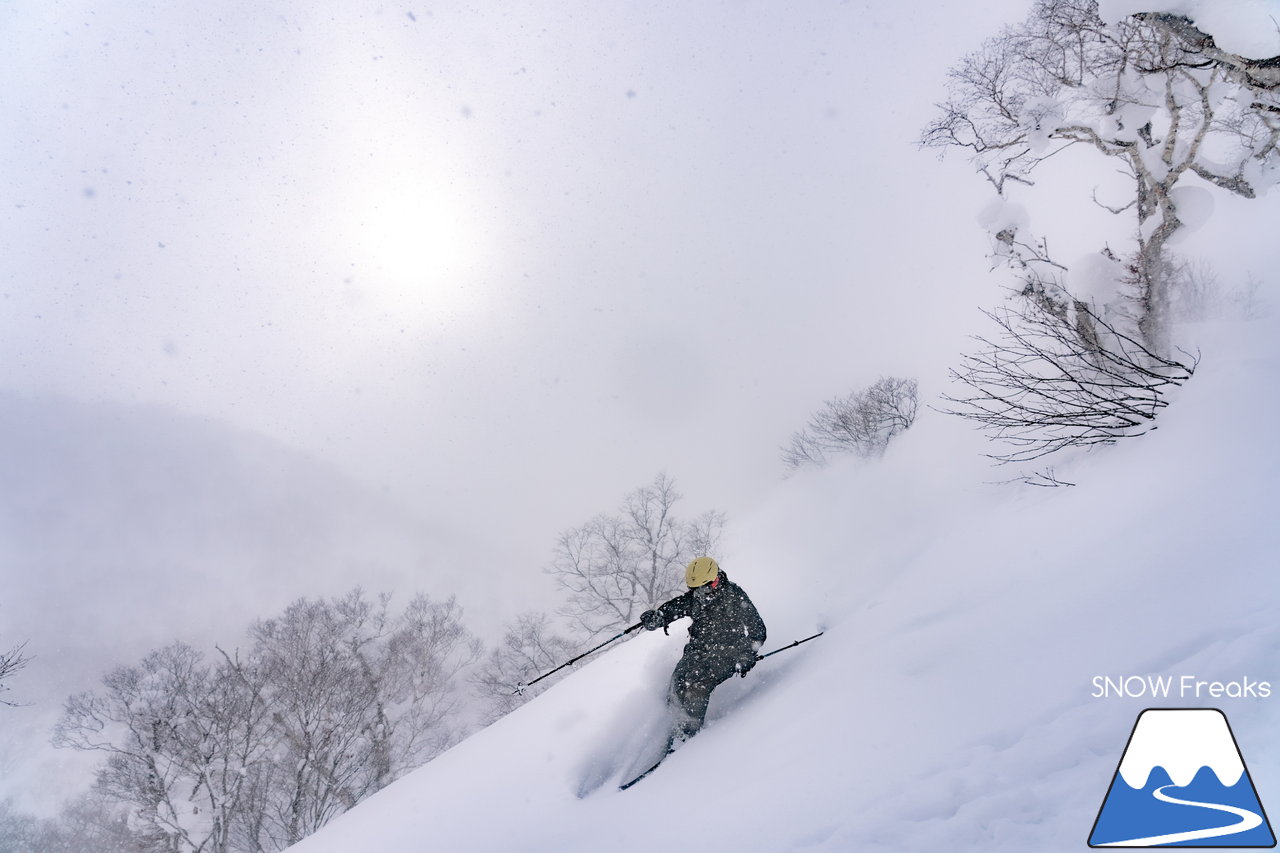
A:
(1151, 264)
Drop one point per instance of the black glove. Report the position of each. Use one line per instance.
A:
(745, 661)
(651, 621)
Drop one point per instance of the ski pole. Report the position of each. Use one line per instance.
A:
(792, 646)
(522, 687)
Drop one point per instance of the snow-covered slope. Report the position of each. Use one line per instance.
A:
(951, 703)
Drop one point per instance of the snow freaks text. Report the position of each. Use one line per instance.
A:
(1177, 687)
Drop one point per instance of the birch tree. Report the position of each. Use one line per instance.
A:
(1153, 97)
(1150, 94)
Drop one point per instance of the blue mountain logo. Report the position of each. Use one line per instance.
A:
(1182, 782)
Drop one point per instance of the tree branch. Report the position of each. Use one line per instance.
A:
(1259, 73)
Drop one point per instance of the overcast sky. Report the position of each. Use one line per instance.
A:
(505, 264)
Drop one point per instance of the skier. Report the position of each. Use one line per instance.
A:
(724, 639)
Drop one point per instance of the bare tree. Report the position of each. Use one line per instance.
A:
(529, 648)
(861, 423)
(1043, 386)
(335, 700)
(170, 748)
(616, 566)
(11, 663)
(426, 653)
(1196, 293)
(1151, 94)
(89, 822)
(357, 698)
(19, 833)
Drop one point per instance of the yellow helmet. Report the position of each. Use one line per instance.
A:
(701, 572)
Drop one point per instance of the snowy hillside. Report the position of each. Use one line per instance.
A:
(950, 704)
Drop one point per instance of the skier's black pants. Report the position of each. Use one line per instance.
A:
(695, 676)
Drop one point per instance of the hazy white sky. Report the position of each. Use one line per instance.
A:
(506, 263)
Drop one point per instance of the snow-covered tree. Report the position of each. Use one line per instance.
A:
(177, 746)
(616, 566)
(1153, 97)
(1151, 94)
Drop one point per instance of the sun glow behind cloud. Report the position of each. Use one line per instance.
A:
(420, 244)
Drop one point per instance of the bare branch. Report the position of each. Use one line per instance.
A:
(11, 663)
(861, 423)
(1109, 208)
(1259, 73)
(1041, 387)
(529, 648)
(616, 566)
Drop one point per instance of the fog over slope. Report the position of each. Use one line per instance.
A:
(124, 528)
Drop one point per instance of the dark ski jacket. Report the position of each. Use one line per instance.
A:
(725, 622)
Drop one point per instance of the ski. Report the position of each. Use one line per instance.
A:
(625, 785)
(673, 743)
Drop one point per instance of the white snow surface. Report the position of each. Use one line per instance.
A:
(950, 704)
